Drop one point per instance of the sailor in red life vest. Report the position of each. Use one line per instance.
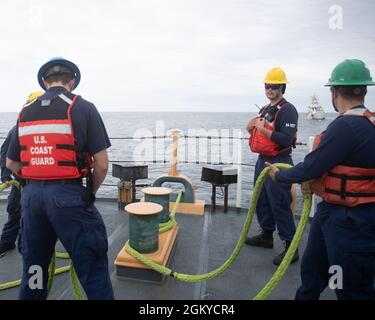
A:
(59, 142)
(341, 243)
(273, 135)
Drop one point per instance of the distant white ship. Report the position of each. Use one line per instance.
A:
(316, 111)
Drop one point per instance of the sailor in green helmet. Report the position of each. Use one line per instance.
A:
(340, 252)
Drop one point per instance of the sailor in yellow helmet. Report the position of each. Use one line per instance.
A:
(272, 136)
(11, 227)
(33, 95)
(276, 76)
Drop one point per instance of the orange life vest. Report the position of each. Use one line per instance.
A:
(344, 185)
(263, 145)
(48, 148)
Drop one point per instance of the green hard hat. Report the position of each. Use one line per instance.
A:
(352, 72)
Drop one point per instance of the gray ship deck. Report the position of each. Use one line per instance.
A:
(203, 243)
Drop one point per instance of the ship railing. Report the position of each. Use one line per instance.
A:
(238, 164)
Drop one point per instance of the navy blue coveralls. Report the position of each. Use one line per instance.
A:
(339, 236)
(51, 211)
(12, 226)
(273, 208)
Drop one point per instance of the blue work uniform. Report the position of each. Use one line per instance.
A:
(12, 226)
(273, 208)
(339, 235)
(54, 211)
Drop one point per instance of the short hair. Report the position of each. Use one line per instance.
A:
(352, 92)
(64, 78)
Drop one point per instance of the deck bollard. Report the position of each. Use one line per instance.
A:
(159, 195)
(144, 226)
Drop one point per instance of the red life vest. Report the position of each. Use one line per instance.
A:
(48, 149)
(343, 185)
(263, 145)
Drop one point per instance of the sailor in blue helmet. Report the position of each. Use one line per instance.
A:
(61, 142)
(340, 252)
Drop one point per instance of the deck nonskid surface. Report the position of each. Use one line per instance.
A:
(203, 244)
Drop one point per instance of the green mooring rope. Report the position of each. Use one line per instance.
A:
(13, 182)
(73, 275)
(52, 271)
(265, 292)
(163, 227)
(16, 283)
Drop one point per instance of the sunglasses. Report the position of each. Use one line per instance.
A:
(272, 86)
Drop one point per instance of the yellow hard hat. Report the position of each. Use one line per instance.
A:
(33, 96)
(276, 76)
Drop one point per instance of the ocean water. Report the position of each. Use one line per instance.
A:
(133, 150)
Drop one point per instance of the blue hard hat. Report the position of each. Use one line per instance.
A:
(58, 65)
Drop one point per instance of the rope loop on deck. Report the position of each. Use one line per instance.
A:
(52, 271)
(268, 288)
(163, 227)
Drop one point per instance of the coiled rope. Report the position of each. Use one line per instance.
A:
(268, 288)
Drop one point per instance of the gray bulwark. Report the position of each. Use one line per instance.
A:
(203, 243)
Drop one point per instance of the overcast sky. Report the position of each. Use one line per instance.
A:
(174, 55)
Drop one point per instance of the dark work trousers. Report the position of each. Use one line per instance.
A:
(58, 211)
(273, 208)
(11, 228)
(340, 253)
